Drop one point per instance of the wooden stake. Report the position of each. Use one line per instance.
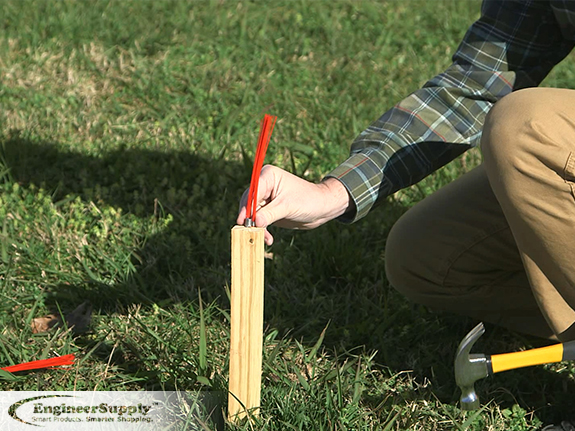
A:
(247, 322)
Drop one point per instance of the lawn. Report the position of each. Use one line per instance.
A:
(127, 135)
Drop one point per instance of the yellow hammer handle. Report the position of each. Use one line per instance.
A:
(543, 355)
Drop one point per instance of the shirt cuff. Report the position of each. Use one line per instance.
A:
(363, 179)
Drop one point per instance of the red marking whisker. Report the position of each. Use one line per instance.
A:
(266, 129)
(42, 363)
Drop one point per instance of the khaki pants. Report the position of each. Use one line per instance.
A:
(498, 244)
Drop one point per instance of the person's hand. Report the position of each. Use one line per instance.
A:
(288, 201)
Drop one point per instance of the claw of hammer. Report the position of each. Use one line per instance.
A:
(470, 367)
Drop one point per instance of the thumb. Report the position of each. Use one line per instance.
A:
(264, 198)
(269, 214)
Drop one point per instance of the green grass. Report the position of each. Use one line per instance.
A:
(127, 131)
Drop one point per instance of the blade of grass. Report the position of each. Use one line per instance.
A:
(203, 353)
(317, 345)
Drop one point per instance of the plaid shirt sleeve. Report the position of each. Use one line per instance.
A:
(513, 45)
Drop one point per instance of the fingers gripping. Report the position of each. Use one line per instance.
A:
(265, 198)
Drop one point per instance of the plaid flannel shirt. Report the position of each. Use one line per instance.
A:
(513, 45)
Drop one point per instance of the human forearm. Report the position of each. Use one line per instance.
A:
(500, 53)
(337, 199)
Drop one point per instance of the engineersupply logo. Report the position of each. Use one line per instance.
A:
(12, 409)
(122, 410)
(44, 412)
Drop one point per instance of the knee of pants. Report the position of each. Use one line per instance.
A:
(406, 255)
(521, 113)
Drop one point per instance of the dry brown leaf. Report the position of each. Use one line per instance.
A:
(43, 324)
(79, 319)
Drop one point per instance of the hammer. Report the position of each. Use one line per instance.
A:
(470, 367)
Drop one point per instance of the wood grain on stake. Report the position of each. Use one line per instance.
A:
(247, 311)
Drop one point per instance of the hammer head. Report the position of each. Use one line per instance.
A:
(469, 368)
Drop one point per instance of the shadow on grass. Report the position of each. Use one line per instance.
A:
(200, 195)
(333, 275)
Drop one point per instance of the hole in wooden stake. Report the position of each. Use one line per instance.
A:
(251, 240)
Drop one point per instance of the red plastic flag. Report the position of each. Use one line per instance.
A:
(266, 129)
(43, 363)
